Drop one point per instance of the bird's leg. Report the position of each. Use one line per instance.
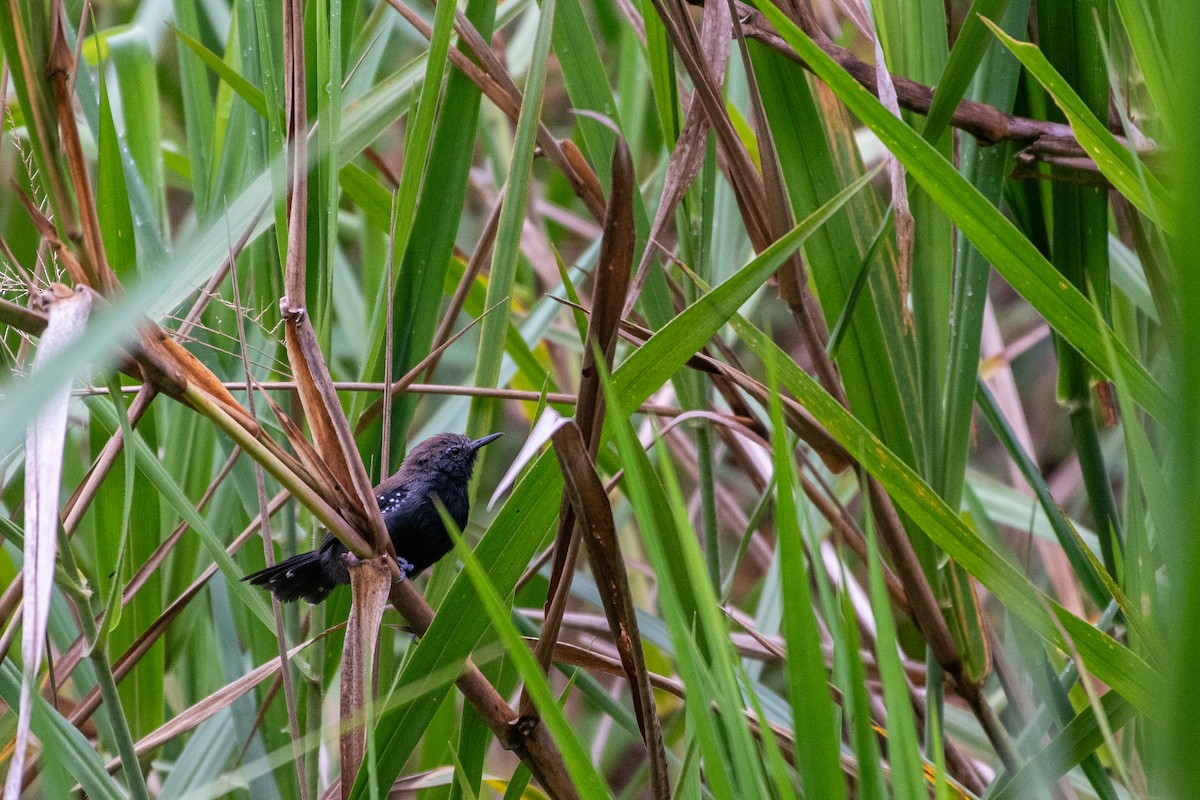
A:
(406, 568)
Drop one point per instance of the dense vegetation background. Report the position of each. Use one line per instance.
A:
(853, 427)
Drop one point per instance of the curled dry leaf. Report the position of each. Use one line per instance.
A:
(194, 371)
(905, 225)
(316, 471)
(736, 162)
(67, 312)
(370, 581)
(608, 302)
(332, 437)
(307, 363)
(580, 165)
(612, 285)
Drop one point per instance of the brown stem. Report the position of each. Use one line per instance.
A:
(60, 69)
(988, 124)
(528, 738)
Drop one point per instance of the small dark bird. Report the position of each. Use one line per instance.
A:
(438, 467)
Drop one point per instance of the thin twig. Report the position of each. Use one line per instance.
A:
(482, 254)
(289, 690)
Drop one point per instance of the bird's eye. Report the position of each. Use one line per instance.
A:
(455, 450)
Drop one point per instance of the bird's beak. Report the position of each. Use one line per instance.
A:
(478, 443)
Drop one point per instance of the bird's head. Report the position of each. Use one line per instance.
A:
(451, 454)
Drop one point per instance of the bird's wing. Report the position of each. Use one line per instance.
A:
(401, 499)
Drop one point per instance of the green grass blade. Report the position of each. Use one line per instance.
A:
(151, 467)
(688, 332)
(1079, 739)
(84, 762)
(699, 630)
(116, 220)
(986, 168)
(1140, 27)
(1063, 530)
(970, 48)
(198, 110)
(419, 281)
(133, 62)
(245, 90)
(904, 753)
(818, 750)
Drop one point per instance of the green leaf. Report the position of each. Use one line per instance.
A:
(691, 330)
(970, 47)
(819, 759)
(698, 627)
(1115, 161)
(1079, 739)
(1140, 27)
(904, 753)
(140, 109)
(152, 468)
(199, 122)
(116, 220)
(421, 271)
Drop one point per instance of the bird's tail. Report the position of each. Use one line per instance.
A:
(305, 575)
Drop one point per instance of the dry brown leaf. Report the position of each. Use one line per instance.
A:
(735, 159)
(595, 523)
(194, 370)
(688, 155)
(316, 471)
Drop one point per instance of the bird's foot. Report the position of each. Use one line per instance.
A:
(406, 568)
